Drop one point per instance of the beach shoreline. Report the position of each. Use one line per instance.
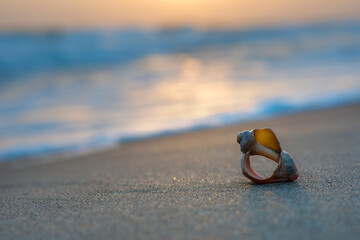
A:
(30, 160)
(189, 185)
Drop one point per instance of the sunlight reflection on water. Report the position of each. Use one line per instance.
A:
(208, 87)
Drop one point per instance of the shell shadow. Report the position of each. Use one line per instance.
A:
(282, 191)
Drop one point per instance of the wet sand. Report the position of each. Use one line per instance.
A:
(189, 186)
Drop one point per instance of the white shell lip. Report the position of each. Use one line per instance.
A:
(286, 170)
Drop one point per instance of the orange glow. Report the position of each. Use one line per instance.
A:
(158, 13)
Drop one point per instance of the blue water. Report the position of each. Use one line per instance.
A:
(78, 90)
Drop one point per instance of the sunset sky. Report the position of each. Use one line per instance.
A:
(73, 14)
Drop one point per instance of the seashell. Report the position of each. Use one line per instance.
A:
(264, 142)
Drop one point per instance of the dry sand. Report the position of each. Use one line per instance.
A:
(189, 186)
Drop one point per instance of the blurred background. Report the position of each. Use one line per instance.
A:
(78, 75)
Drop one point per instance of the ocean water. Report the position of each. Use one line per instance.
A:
(77, 90)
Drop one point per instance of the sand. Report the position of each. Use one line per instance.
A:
(189, 186)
